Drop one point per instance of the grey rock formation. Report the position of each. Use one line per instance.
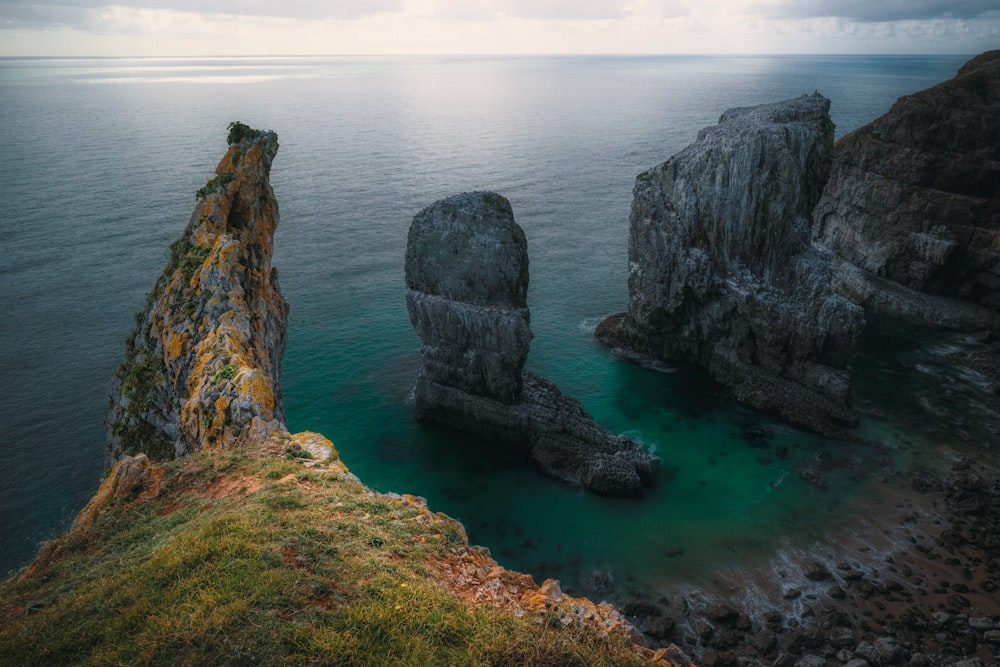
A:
(202, 368)
(721, 271)
(467, 274)
(913, 204)
(467, 285)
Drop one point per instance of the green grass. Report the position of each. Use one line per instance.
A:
(212, 185)
(227, 372)
(240, 560)
(141, 371)
(240, 131)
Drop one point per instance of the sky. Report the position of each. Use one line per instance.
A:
(334, 27)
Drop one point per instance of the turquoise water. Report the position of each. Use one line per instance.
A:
(103, 157)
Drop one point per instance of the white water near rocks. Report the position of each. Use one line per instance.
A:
(102, 159)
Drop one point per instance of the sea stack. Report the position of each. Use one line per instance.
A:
(202, 368)
(467, 286)
(721, 271)
(913, 205)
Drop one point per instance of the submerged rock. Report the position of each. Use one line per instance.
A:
(913, 205)
(202, 368)
(467, 286)
(721, 271)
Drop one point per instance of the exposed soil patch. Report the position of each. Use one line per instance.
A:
(233, 486)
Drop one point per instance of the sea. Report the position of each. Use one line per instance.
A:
(101, 159)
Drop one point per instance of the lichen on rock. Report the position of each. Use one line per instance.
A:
(721, 271)
(202, 367)
(467, 285)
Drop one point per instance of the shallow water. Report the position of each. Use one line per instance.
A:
(103, 157)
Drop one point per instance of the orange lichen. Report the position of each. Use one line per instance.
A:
(132, 475)
(173, 345)
(259, 389)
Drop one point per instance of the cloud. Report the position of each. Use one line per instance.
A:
(311, 27)
(28, 14)
(46, 13)
(877, 11)
(565, 10)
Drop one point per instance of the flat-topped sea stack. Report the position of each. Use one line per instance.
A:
(913, 205)
(467, 280)
(202, 368)
(721, 272)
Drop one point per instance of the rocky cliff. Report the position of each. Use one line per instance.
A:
(235, 542)
(467, 286)
(913, 204)
(721, 271)
(202, 368)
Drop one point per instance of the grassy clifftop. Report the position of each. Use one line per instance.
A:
(263, 556)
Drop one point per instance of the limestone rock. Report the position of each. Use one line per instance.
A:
(130, 476)
(883, 651)
(721, 271)
(467, 285)
(202, 368)
(467, 280)
(913, 204)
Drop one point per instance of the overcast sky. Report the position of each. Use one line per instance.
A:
(289, 27)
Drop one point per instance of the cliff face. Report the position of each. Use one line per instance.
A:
(202, 369)
(913, 204)
(721, 271)
(467, 280)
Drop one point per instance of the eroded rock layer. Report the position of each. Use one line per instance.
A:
(721, 271)
(467, 285)
(467, 280)
(202, 368)
(913, 204)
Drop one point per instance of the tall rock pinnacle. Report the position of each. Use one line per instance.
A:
(721, 272)
(202, 368)
(467, 280)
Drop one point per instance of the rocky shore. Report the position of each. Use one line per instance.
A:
(912, 583)
(906, 227)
